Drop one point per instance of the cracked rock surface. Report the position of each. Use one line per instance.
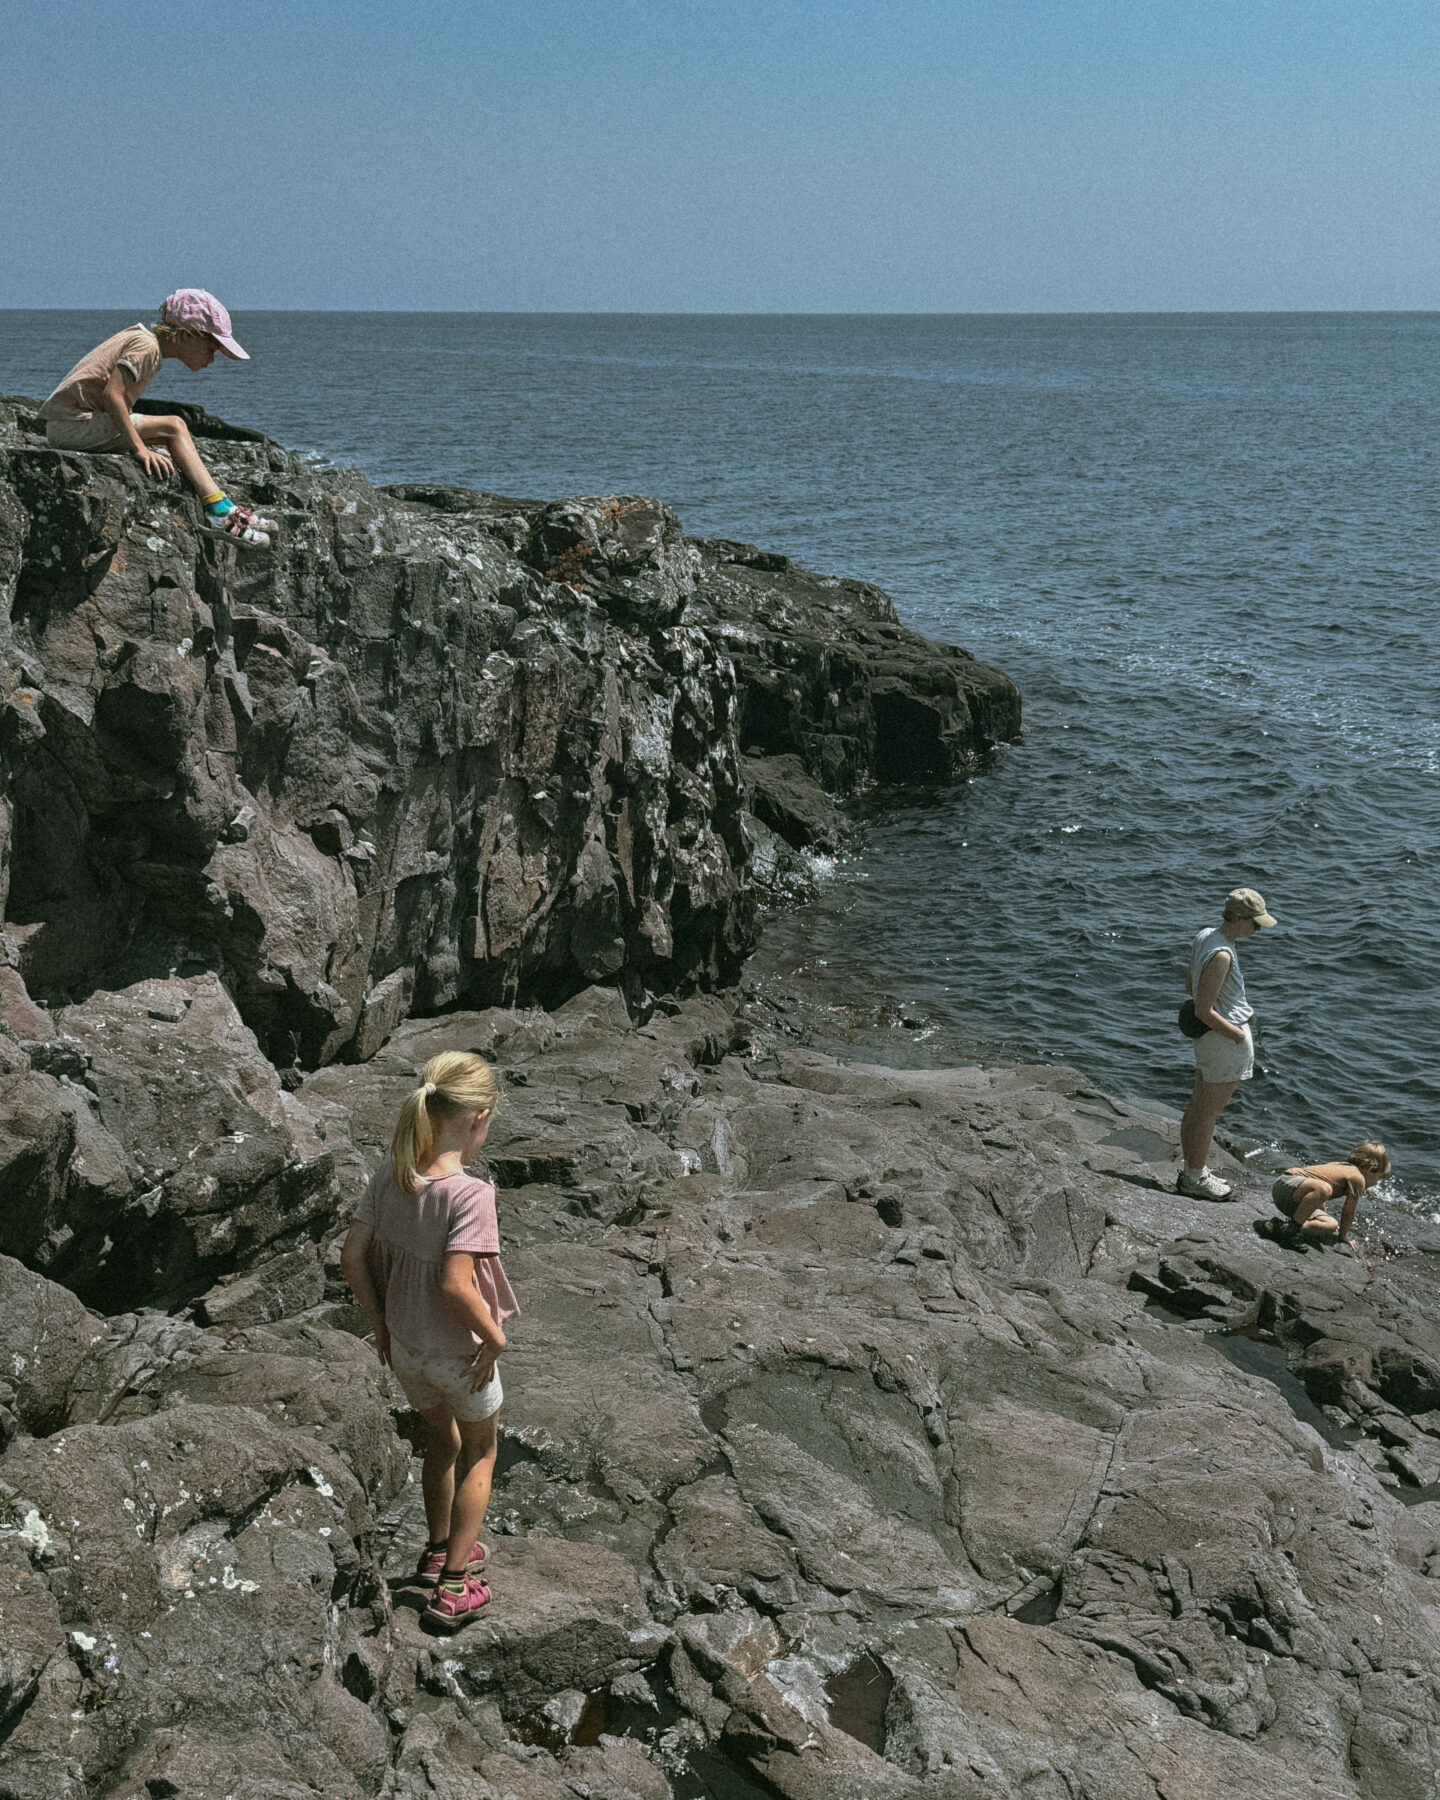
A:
(821, 1366)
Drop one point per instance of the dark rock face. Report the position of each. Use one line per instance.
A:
(164, 1152)
(439, 747)
(830, 675)
(790, 803)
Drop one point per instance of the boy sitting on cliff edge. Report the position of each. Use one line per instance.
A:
(91, 408)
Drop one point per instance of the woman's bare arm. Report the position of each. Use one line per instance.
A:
(1211, 976)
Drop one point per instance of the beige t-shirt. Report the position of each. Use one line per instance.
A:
(134, 351)
(414, 1233)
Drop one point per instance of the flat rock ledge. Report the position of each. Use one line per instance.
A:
(869, 1432)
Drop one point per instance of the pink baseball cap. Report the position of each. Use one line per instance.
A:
(196, 310)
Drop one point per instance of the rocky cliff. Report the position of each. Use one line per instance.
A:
(868, 1432)
(439, 748)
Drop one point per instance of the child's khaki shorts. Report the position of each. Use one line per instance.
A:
(432, 1381)
(98, 432)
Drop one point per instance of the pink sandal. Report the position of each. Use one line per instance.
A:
(239, 526)
(447, 1610)
(432, 1563)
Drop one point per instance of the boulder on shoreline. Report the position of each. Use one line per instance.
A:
(869, 1431)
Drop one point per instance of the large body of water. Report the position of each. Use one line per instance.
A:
(1206, 547)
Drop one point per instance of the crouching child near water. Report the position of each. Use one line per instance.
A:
(423, 1260)
(1304, 1194)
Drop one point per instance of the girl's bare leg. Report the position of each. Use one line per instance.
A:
(437, 1471)
(1310, 1197)
(172, 435)
(472, 1492)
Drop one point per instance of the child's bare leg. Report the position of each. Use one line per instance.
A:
(172, 435)
(472, 1493)
(437, 1471)
(1310, 1197)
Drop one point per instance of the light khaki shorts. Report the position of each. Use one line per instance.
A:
(432, 1381)
(1218, 1059)
(98, 432)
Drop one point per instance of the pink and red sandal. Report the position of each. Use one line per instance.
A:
(448, 1609)
(239, 526)
(432, 1563)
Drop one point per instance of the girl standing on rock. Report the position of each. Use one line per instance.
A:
(423, 1260)
(91, 408)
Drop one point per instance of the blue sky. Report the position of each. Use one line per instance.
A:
(860, 155)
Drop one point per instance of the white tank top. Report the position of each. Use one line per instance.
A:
(1230, 1002)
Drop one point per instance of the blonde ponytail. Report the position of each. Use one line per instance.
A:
(454, 1082)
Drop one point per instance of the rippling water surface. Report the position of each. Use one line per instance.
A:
(1206, 547)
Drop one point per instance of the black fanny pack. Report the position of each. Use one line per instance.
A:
(1187, 1021)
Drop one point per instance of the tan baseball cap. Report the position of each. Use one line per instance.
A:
(1245, 903)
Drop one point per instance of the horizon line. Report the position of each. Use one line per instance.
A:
(1157, 312)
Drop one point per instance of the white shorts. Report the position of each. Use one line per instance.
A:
(98, 432)
(1219, 1059)
(431, 1381)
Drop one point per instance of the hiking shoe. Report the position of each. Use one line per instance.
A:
(432, 1563)
(1203, 1186)
(448, 1609)
(238, 526)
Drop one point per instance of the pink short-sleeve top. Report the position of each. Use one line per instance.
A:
(136, 353)
(413, 1234)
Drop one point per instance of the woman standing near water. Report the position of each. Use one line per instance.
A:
(1225, 1055)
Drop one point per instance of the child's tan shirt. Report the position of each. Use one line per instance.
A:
(414, 1233)
(134, 351)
